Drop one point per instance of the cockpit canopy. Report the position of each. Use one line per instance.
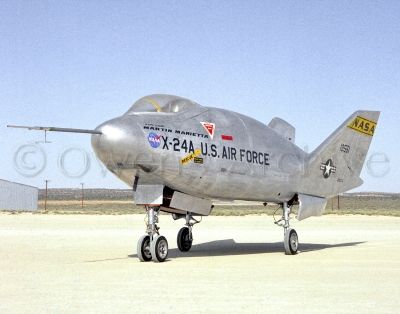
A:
(162, 104)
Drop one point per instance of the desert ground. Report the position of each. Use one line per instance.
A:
(88, 264)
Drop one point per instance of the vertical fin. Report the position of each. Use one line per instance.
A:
(335, 166)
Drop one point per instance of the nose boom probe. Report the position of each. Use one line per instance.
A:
(54, 129)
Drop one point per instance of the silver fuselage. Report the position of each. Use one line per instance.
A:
(245, 159)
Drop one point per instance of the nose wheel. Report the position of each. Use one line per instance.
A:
(143, 248)
(159, 249)
(152, 246)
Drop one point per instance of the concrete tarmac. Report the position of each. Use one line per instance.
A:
(88, 264)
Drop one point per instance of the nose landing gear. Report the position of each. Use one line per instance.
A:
(159, 248)
(143, 248)
(152, 246)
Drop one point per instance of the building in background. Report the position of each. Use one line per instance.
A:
(18, 197)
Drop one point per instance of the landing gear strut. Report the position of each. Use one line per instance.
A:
(185, 235)
(290, 240)
(152, 246)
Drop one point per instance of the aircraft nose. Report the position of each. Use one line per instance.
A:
(117, 145)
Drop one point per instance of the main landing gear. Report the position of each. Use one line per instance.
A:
(185, 235)
(290, 240)
(152, 246)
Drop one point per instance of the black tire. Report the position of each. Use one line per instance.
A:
(143, 249)
(183, 240)
(159, 248)
(291, 242)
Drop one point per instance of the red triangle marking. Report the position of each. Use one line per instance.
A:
(209, 127)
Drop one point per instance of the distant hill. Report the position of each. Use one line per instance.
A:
(89, 194)
(127, 194)
(116, 201)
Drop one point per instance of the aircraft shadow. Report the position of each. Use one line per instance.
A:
(230, 247)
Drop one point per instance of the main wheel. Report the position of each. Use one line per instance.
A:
(159, 248)
(183, 239)
(143, 249)
(291, 242)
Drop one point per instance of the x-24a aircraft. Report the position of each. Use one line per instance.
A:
(179, 156)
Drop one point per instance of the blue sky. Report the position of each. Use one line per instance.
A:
(78, 63)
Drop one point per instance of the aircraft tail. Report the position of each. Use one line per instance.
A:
(334, 167)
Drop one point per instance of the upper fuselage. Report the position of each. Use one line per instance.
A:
(209, 152)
